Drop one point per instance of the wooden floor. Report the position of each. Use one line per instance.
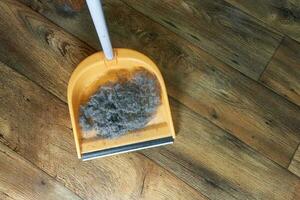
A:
(232, 70)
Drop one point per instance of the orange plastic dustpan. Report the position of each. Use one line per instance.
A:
(100, 68)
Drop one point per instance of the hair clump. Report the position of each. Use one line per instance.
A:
(121, 106)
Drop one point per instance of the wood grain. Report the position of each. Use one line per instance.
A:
(219, 165)
(204, 156)
(246, 49)
(295, 163)
(239, 105)
(36, 125)
(77, 22)
(284, 16)
(71, 5)
(18, 48)
(21, 180)
(4, 196)
(283, 72)
(218, 28)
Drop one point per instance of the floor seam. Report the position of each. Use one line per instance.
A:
(269, 61)
(168, 95)
(169, 171)
(229, 66)
(172, 97)
(292, 158)
(198, 47)
(247, 145)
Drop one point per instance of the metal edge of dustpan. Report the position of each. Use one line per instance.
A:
(127, 148)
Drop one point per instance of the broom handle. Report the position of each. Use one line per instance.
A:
(96, 11)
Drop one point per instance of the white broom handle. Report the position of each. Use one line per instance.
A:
(96, 11)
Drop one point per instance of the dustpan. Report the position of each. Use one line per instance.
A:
(105, 66)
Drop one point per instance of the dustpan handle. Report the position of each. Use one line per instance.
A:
(96, 11)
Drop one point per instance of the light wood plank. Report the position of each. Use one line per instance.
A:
(280, 15)
(295, 163)
(283, 72)
(36, 125)
(4, 196)
(255, 115)
(19, 179)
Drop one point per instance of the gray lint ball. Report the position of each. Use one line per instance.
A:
(122, 106)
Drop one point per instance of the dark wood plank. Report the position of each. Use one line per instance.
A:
(68, 14)
(35, 53)
(218, 28)
(243, 44)
(295, 163)
(283, 16)
(21, 180)
(72, 4)
(255, 115)
(36, 125)
(283, 72)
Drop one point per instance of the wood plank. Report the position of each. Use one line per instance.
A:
(239, 43)
(280, 15)
(21, 180)
(69, 15)
(4, 196)
(206, 154)
(255, 115)
(283, 72)
(64, 53)
(72, 4)
(295, 163)
(217, 27)
(36, 125)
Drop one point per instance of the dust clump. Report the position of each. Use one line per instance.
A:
(122, 106)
